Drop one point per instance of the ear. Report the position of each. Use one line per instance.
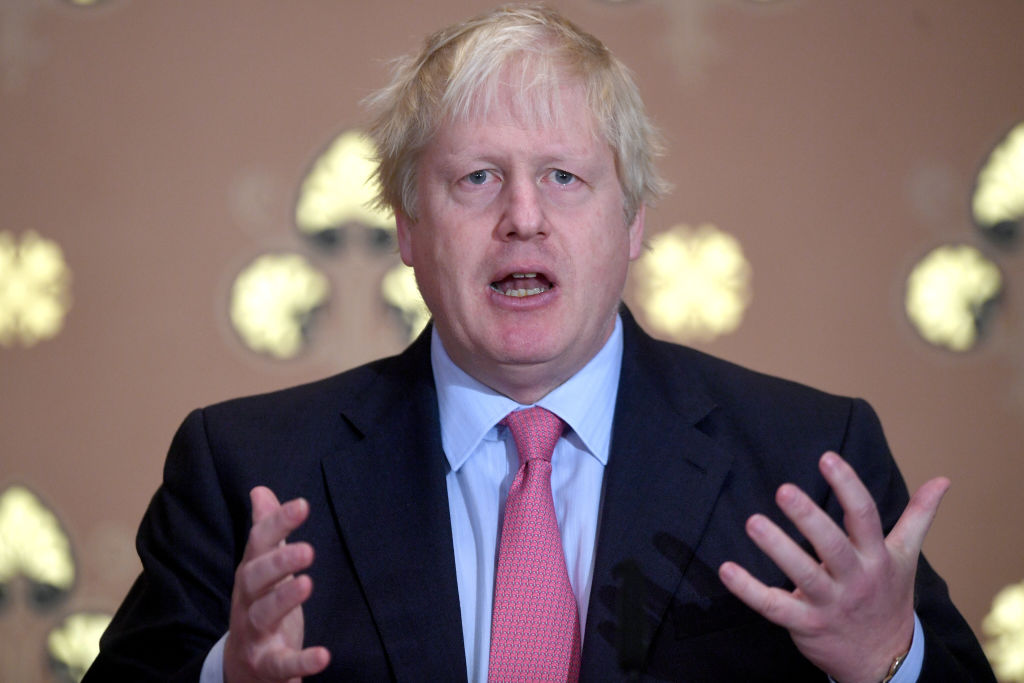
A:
(403, 226)
(636, 233)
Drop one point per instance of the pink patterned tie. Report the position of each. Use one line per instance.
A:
(535, 626)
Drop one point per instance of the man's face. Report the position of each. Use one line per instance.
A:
(521, 246)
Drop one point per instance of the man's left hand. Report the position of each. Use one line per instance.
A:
(852, 612)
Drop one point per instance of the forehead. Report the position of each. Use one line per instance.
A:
(555, 118)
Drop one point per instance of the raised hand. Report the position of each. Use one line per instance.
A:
(264, 642)
(852, 612)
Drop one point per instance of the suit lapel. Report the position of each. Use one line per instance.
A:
(391, 505)
(662, 479)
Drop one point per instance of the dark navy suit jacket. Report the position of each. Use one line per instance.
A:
(698, 445)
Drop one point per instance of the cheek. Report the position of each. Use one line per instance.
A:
(460, 237)
(448, 255)
(610, 263)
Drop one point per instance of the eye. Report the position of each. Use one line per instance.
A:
(478, 177)
(562, 177)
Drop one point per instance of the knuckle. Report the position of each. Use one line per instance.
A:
(859, 593)
(293, 557)
(865, 510)
(808, 577)
(771, 606)
(244, 581)
(836, 546)
(280, 561)
(816, 622)
(254, 619)
(881, 569)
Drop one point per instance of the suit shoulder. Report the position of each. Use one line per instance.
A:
(312, 407)
(762, 400)
(777, 422)
(326, 390)
(726, 378)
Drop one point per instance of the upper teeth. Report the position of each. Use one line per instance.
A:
(520, 276)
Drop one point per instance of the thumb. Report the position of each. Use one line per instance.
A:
(908, 534)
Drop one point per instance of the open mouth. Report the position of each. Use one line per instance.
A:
(522, 284)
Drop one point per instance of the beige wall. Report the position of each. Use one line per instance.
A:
(838, 140)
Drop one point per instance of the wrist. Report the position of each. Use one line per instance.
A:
(897, 656)
(883, 667)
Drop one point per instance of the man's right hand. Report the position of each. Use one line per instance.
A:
(264, 642)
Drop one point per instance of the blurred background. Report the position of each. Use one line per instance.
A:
(182, 220)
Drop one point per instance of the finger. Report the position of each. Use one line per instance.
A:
(774, 604)
(860, 514)
(272, 529)
(267, 612)
(288, 664)
(263, 501)
(829, 541)
(260, 574)
(803, 570)
(909, 532)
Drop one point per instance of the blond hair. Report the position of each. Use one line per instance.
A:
(456, 74)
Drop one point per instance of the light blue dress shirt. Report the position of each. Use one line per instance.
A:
(482, 462)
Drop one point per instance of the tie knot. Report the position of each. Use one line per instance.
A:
(535, 430)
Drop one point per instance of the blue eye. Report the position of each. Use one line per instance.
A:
(562, 177)
(477, 177)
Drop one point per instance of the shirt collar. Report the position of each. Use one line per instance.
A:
(469, 410)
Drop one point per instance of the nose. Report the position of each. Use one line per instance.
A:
(523, 216)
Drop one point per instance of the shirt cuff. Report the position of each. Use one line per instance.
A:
(911, 668)
(213, 665)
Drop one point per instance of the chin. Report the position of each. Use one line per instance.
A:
(527, 344)
(533, 357)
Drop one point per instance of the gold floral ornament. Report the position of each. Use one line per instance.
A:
(74, 644)
(33, 545)
(950, 294)
(273, 302)
(1005, 627)
(34, 289)
(401, 293)
(694, 284)
(340, 189)
(998, 203)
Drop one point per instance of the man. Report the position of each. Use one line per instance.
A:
(518, 159)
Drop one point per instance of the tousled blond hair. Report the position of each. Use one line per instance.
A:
(460, 71)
